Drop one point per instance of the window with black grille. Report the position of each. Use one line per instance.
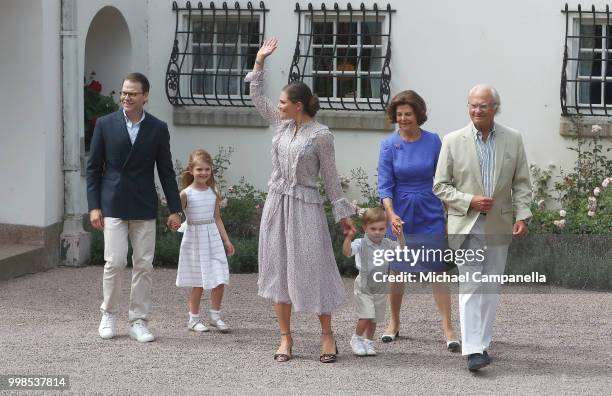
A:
(344, 55)
(586, 81)
(214, 48)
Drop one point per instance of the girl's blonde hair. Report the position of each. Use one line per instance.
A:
(187, 177)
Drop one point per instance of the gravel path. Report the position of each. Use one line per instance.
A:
(545, 343)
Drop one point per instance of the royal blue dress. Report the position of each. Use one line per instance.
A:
(405, 174)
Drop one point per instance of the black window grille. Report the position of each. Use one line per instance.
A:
(586, 77)
(214, 48)
(344, 55)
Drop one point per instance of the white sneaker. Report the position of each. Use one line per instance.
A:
(107, 328)
(220, 325)
(140, 332)
(357, 345)
(197, 326)
(369, 346)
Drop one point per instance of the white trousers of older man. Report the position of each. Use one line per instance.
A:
(478, 300)
(141, 234)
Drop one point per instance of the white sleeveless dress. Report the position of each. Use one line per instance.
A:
(202, 259)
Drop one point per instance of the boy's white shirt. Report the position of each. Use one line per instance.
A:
(356, 247)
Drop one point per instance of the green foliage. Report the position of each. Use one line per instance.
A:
(570, 245)
(586, 202)
(369, 194)
(245, 259)
(591, 167)
(95, 105)
(97, 245)
(540, 180)
(221, 163)
(241, 213)
(346, 265)
(167, 246)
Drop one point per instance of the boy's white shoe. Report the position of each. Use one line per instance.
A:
(195, 324)
(140, 332)
(369, 346)
(358, 346)
(107, 328)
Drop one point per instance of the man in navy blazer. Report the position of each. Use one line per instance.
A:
(125, 148)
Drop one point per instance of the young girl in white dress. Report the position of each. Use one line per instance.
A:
(202, 259)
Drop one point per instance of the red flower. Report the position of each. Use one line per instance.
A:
(96, 86)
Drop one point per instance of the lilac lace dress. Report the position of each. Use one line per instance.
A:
(296, 260)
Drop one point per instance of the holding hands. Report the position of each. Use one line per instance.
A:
(399, 233)
(174, 221)
(397, 224)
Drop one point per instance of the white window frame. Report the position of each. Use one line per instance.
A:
(207, 16)
(575, 52)
(331, 18)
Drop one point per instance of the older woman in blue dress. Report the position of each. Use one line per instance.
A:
(406, 168)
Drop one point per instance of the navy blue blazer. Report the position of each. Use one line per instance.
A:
(120, 176)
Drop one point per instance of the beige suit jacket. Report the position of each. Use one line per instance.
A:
(458, 179)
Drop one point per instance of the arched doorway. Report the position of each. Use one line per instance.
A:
(108, 53)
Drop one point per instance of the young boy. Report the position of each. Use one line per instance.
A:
(371, 299)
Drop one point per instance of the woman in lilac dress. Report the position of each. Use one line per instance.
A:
(297, 267)
(406, 168)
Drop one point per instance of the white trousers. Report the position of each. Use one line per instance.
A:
(141, 234)
(478, 300)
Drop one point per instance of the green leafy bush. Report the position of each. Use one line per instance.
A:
(245, 259)
(95, 106)
(584, 193)
(570, 244)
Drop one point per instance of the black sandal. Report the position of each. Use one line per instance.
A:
(329, 357)
(284, 357)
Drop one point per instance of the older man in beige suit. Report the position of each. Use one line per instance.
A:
(483, 178)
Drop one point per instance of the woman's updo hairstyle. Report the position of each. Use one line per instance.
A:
(300, 92)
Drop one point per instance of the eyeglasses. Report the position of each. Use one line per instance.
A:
(129, 94)
(483, 106)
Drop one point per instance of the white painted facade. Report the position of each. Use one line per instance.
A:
(30, 111)
(440, 49)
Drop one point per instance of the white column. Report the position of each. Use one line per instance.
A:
(75, 243)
